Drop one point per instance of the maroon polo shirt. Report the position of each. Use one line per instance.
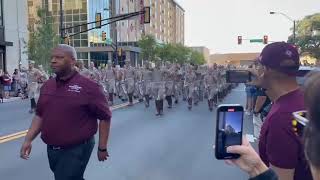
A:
(278, 144)
(70, 109)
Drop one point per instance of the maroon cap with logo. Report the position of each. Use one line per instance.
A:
(282, 57)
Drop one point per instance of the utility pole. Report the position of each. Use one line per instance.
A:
(294, 31)
(61, 23)
(19, 38)
(290, 19)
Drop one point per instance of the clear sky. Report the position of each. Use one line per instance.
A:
(234, 119)
(216, 24)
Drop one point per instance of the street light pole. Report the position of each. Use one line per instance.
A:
(294, 31)
(290, 19)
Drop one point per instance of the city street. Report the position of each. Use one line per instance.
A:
(142, 146)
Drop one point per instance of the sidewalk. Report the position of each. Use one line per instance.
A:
(11, 99)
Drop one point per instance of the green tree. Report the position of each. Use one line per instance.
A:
(306, 39)
(182, 54)
(166, 52)
(148, 47)
(42, 40)
(197, 58)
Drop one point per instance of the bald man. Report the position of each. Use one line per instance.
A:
(67, 115)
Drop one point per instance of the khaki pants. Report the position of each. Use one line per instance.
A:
(158, 90)
(111, 86)
(212, 91)
(130, 85)
(169, 88)
(33, 90)
(147, 87)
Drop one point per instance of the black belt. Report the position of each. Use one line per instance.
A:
(53, 147)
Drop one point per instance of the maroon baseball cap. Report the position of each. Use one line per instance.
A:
(282, 57)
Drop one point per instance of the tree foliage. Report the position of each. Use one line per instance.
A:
(174, 53)
(42, 40)
(307, 39)
(148, 47)
(197, 58)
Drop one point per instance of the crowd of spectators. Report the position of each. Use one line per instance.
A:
(14, 85)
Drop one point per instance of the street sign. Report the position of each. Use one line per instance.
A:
(256, 40)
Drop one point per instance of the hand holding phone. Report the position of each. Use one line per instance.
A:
(228, 130)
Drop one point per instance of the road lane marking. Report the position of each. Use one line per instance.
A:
(13, 138)
(12, 135)
(21, 134)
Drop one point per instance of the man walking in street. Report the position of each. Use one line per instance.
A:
(66, 116)
(138, 90)
(158, 88)
(129, 75)
(147, 83)
(189, 81)
(210, 87)
(82, 69)
(34, 75)
(168, 78)
(110, 82)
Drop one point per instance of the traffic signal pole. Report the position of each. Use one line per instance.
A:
(113, 20)
(145, 12)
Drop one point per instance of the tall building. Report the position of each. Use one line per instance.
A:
(233, 58)
(77, 13)
(13, 34)
(166, 23)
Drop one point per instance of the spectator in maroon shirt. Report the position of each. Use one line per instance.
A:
(66, 116)
(249, 160)
(279, 146)
(6, 78)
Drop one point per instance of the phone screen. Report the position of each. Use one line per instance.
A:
(229, 130)
(238, 76)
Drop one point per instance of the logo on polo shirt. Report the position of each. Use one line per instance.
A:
(74, 88)
(289, 53)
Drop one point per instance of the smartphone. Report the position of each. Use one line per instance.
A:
(228, 129)
(299, 122)
(238, 76)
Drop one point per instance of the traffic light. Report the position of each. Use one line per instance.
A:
(98, 20)
(104, 36)
(146, 15)
(265, 39)
(239, 40)
(119, 52)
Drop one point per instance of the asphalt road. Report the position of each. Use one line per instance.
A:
(177, 146)
(15, 116)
